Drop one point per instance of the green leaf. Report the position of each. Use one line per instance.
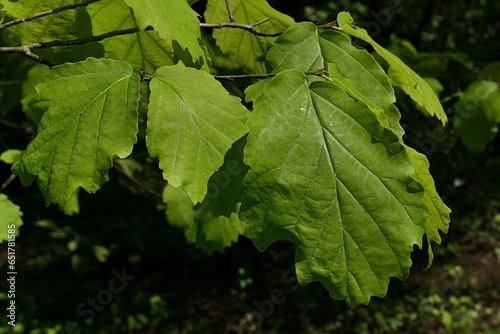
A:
(101, 253)
(301, 47)
(192, 123)
(223, 187)
(434, 83)
(401, 75)
(491, 72)
(207, 233)
(44, 29)
(328, 177)
(478, 114)
(72, 206)
(246, 49)
(10, 218)
(349, 87)
(13, 68)
(35, 76)
(11, 156)
(426, 63)
(143, 50)
(439, 213)
(174, 20)
(89, 115)
(2, 13)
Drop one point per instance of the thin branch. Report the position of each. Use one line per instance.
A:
(230, 11)
(244, 76)
(247, 27)
(11, 82)
(89, 39)
(26, 49)
(320, 72)
(7, 182)
(11, 125)
(139, 186)
(46, 13)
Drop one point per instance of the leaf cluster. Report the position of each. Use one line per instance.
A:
(315, 155)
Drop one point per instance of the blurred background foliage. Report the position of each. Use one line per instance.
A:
(64, 260)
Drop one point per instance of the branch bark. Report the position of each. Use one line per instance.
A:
(247, 27)
(45, 13)
(230, 11)
(319, 72)
(27, 49)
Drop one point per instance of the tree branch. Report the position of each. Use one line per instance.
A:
(247, 27)
(46, 13)
(27, 127)
(230, 11)
(319, 72)
(11, 82)
(137, 184)
(244, 76)
(89, 39)
(26, 49)
(7, 182)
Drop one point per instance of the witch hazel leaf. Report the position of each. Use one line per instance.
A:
(175, 21)
(351, 89)
(304, 47)
(10, 218)
(144, 50)
(192, 123)
(200, 228)
(439, 213)
(325, 175)
(43, 29)
(89, 116)
(246, 49)
(401, 75)
(478, 114)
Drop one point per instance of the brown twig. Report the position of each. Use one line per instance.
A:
(230, 11)
(320, 72)
(45, 13)
(7, 182)
(26, 49)
(11, 82)
(247, 27)
(136, 183)
(11, 125)
(244, 76)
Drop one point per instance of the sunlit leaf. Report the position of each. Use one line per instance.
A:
(192, 123)
(11, 156)
(401, 75)
(247, 50)
(302, 47)
(175, 21)
(143, 50)
(44, 29)
(10, 218)
(89, 115)
(335, 183)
